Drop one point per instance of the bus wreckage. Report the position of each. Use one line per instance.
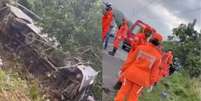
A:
(20, 37)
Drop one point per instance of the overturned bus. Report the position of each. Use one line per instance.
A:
(20, 37)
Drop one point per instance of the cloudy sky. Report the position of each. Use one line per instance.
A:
(161, 14)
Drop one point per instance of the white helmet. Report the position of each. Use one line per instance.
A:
(108, 4)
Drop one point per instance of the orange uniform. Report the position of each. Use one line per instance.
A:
(120, 34)
(139, 39)
(140, 70)
(106, 22)
(167, 59)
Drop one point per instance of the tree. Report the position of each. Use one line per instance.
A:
(76, 26)
(186, 43)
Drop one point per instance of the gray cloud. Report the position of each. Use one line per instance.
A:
(187, 9)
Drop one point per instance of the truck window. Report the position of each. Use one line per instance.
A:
(136, 29)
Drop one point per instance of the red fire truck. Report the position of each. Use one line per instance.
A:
(137, 27)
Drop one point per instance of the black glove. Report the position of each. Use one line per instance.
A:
(118, 85)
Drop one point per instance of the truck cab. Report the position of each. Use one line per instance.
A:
(137, 27)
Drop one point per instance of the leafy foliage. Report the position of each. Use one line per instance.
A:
(186, 44)
(74, 22)
(76, 26)
(13, 88)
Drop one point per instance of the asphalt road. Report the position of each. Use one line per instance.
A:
(111, 65)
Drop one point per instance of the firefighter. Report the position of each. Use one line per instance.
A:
(120, 35)
(139, 39)
(141, 71)
(167, 60)
(109, 34)
(106, 20)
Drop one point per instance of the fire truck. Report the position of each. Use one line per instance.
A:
(138, 26)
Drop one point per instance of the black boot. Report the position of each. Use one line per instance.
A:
(113, 52)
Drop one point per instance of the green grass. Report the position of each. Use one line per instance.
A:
(179, 87)
(12, 86)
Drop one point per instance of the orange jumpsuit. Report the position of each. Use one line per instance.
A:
(140, 70)
(106, 22)
(167, 59)
(139, 39)
(120, 34)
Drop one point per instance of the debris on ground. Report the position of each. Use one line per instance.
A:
(59, 76)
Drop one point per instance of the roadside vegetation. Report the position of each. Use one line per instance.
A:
(13, 88)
